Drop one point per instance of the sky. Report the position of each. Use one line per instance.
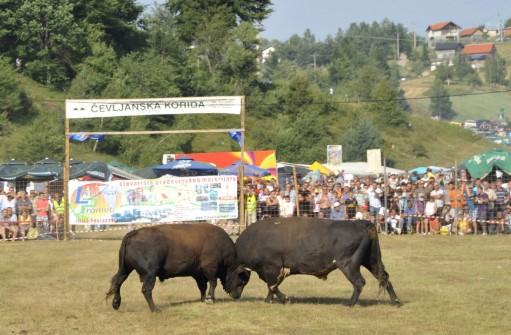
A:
(325, 17)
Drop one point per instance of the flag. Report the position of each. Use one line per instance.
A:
(79, 137)
(84, 137)
(97, 137)
(236, 136)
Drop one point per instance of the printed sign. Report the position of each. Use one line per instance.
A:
(81, 109)
(334, 155)
(153, 200)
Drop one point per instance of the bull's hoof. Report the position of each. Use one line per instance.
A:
(268, 300)
(396, 303)
(284, 300)
(209, 300)
(116, 303)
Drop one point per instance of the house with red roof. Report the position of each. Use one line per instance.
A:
(507, 32)
(447, 31)
(472, 34)
(476, 54)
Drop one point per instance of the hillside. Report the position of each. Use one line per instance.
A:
(440, 143)
(484, 106)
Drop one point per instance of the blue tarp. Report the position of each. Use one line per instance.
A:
(249, 170)
(183, 167)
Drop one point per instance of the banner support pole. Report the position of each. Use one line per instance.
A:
(66, 181)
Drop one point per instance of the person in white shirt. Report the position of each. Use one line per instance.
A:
(286, 207)
(393, 222)
(438, 196)
(430, 211)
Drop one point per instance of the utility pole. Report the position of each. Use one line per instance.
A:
(397, 46)
(414, 40)
(314, 57)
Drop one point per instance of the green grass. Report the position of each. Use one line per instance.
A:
(449, 285)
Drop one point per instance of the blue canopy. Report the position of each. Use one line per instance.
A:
(422, 169)
(184, 167)
(249, 170)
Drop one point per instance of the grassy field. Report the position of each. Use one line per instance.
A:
(449, 285)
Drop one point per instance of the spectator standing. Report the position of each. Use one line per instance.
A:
(42, 213)
(23, 202)
(337, 213)
(430, 211)
(501, 201)
(455, 197)
(286, 207)
(350, 204)
(251, 207)
(482, 208)
(409, 216)
(325, 203)
(438, 196)
(374, 194)
(24, 222)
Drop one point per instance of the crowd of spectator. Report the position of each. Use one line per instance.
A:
(29, 216)
(405, 204)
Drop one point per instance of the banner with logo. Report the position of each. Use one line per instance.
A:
(153, 200)
(80, 109)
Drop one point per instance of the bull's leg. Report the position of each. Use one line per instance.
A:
(117, 281)
(147, 289)
(211, 277)
(210, 298)
(352, 273)
(382, 276)
(202, 284)
(273, 278)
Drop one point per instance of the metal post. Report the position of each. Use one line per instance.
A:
(295, 182)
(242, 172)
(385, 192)
(456, 212)
(66, 180)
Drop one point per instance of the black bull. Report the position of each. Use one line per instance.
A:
(202, 251)
(279, 247)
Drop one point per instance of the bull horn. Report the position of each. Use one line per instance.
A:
(247, 269)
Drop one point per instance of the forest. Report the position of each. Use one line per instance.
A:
(307, 94)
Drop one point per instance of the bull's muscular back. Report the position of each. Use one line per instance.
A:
(182, 249)
(302, 245)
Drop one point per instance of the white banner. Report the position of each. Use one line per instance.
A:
(153, 200)
(81, 109)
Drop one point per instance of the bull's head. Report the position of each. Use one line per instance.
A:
(236, 281)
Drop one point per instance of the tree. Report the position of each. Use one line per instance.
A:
(361, 137)
(387, 106)
(495, 70)
(38, 144)
(441, 105)
(190, 15)
(303, 140)
(51, 42)
(508, 23)
(117, 20)
(95, 72)
(14, 103)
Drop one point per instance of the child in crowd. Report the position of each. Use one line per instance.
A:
(25, 222)
(429, 211)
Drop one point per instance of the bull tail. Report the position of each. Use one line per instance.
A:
(123, 271)
(376, 267)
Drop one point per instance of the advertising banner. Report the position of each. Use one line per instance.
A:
(81, 109)
(265, 159)
(153, 200)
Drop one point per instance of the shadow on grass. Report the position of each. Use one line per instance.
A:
(327, 301)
